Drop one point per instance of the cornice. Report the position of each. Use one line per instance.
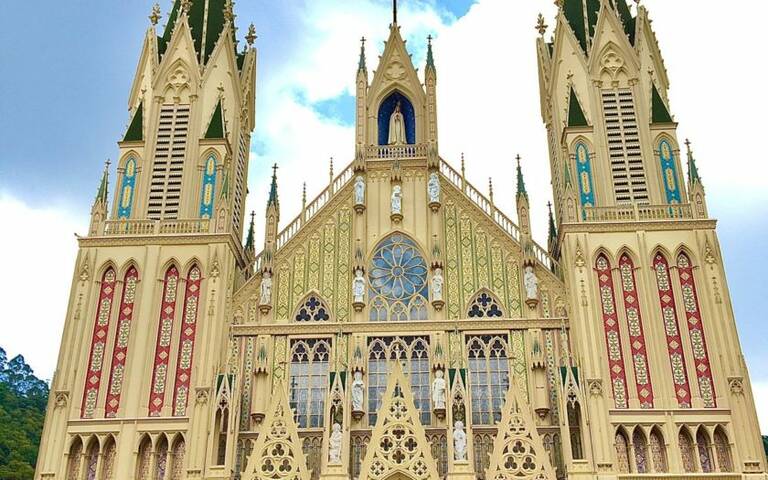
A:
(646, 226)
(143, 240)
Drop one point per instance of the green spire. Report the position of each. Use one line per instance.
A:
(627, 19)
(520, 180)
(430, 57)
(207, 19)
(225, 184)
(361, 64)
(135, 131)
(250, 240)
(103, 192)
(273, 189)
(576, 117)
(693, 170)
(659, 111)
(552, 226)
(567, 174)
(216, 127)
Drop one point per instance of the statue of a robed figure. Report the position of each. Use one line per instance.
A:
(397, 127)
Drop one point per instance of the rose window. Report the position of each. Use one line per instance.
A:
(398, 281)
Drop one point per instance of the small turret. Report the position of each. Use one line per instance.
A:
(430, 84)
(552, 238)
(273, 218)
(523, 207)
(696, 193)
(250, 240)
(99, 208)
(361, 86)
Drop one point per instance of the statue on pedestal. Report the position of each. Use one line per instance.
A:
(266, 289)
(433, 188)
(459, 442)
(397, 127)
(359, 190)
(358, 388)
(531, 284)
(437, 285)
(438, 391)
(334, 444)
(397, 200)
(358, 286)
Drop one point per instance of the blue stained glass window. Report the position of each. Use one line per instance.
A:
(208, 188)
(127, 187)
(584, 176)
(398, 281)
(669, 172)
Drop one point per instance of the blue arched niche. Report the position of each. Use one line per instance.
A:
(386, 109)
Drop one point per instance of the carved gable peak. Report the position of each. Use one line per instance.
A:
(396, 72)
(398, 443)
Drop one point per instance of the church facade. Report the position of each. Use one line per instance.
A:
(401, 326)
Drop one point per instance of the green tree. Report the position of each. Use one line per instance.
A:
(23, 398)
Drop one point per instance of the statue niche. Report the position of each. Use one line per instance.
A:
(397, 120)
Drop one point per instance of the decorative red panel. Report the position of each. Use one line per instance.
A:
(163, 346)
(187, 342)
(120, 351)
(696, 331)
(672, 330)
(636, 334)
(612, 334)
(98, 344)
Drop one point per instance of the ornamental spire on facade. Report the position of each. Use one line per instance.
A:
(693, 170)
(103, 191)
(361, 64)
(430, 57)
(520, 180)
(273, 189)
(250, 240)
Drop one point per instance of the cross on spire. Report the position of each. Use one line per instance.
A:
(394, 12)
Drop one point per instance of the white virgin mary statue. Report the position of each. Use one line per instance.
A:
(397, 127)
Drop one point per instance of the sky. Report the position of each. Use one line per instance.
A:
(67, 73)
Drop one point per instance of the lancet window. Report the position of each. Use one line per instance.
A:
(484, 305)
(144, 461)
(705, 451)
(584, 174)
(92, 460)
(120, 350)
(658, 452)
(640, 446)
(309, 381)
(313, 309)
(208, 187)
(161, 457)
(163, 343)
(108, 460)
(127, 189)
(669, 172)
(178, 452)
(413, 355)
(686, 451)
(622, 452)
(187, 341)
(723, 451)
(488, 377)
(74, 460)
(398, 281)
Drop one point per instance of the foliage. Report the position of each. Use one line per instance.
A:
(765, 445)
(23, 398)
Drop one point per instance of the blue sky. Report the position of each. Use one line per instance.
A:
(67, 72)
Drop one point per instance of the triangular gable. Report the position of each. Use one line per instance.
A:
(135, 131)
(398, 443)
(277, 452)
(396, 71)
(216, 128)
(576, 117)
(518, 452)
(659, 110)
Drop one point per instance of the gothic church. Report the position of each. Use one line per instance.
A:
(401, 326)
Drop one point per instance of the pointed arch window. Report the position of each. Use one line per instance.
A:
(584, 174)
(669, 172)
(696, 330)
(640, 446)
(672, 331)
(723, 451)
(308, 381)
(161, 458)
(98, 343)
(686, 451)
(120, 350)
(612, 334)
(75, 459)
(144, 462)
(705, 451)
(574, 427)
(398, 281)
(313, 309)
(208, 187)
(163, 343)
(622, 452)
(92, 460)
(488, 377)
(658, 452)
(485, 305)
(127, 189)
(178, 453)
(108, 460)
(187, 341)
(221, 419)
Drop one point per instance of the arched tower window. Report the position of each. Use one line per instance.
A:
(168, 164)
(484, 305)
(584, 174)
(144, 461)
(686, 451)
(98, 343)
(658, 452)
(413, 355)
(669, 172)
(178, 452)
(313, 309)
(161, 457)
(208, 187)
(398, 281)
(187, 341)
(163, 344)
(696, 330)
(120, 350)
(387, 108)
(574, 427)
(127, 189)
(92, 459)
(309, 381)
(640, 446)
(488, 377)
(75, 459)
(672, 331)
(108, 460)
(612, 332)
(622, 452)
(705, 451)
(723, 451)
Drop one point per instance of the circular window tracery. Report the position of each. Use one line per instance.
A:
(398, 281)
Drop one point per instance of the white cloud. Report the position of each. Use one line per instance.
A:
(39, 250)
(760, 392)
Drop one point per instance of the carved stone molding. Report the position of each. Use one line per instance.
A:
(595, 386)
(202, 395)
(736, 384)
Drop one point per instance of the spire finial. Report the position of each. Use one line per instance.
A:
(273, 189)
(394, 12)
(490, 189)
(303, 195)
(330, 171)
(430, 58)
(155, 16)
(102, 193)
(250, 240)
(541, 26)
(361, 64)
(520, 180)
(552, 226)
(185, 6)
(251, 37)
(693, 170)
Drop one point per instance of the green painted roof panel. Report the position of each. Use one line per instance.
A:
(659, 110)
(135, 131)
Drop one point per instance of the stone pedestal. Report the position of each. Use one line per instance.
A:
(334, 472)
(461, 470)
(396, 218)
(265, 308)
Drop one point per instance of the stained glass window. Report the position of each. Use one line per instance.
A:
(161, 458)
(313, 309)
(705, 451)
(641, 451)
(584, 174)
(658, 452)
(145, 459)
(92, 460)
(73, 463)
(308, 381)
(398, 281)
(108, 460)
(686, 451)
(669, 172)
(488, 377)
(208, 187)
(723, 450)
(127, 188)
(622, 452)
(484, 305)
(177, 460)
(413, 354)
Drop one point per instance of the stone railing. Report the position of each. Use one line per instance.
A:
(312, 209)
(681, 476)
(392, 152)
(638, 213)
(155, 227)
(459, 181)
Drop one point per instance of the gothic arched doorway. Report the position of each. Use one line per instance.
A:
(387, 108)
(399, 476)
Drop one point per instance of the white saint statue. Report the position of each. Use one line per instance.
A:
(397, 127)
(438, 391)
(437, 285)
(359, 190)
(531, 284)
(266, 288)
(358, 286)
(459, 442)
(358, 387)
(433, 187)
(397, 200)
(334, 444)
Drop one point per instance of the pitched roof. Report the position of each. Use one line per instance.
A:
(579, 11)
(659, 110)
(204, 17)
(576, 117)
(135, 131)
